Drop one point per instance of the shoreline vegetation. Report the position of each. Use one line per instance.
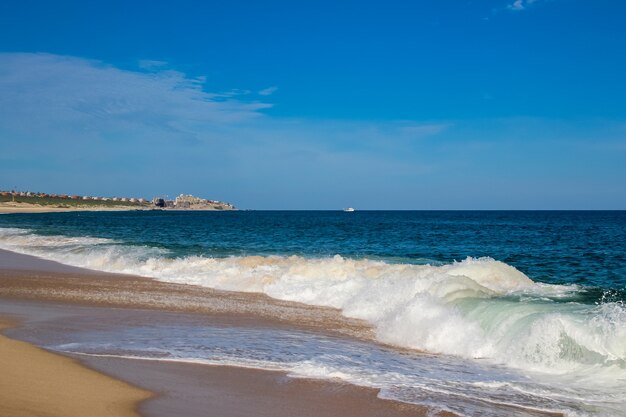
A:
(26, 202)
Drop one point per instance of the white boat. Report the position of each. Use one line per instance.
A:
(348, 209)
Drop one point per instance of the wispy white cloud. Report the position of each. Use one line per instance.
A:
(233, 93)
(268, 91)
(65, 95)
(519, 5)
(49, 96)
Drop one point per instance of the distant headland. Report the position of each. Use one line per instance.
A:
(190, 202)
(35, 202)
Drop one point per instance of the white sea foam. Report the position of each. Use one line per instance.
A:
(476, 308)
(465, 387)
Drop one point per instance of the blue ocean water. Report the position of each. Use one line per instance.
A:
(557, 247)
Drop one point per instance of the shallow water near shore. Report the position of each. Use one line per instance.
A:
(517, 308)
(440, 382)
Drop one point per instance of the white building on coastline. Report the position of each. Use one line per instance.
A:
(189, 199)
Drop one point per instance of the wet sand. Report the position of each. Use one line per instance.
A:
(34, 382)
(30, 278)
(27, 283)
(229, 392)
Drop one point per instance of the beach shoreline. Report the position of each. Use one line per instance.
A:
(13, 208)
(36, 382)
(26, 277)
(128, 387)
(28, 284)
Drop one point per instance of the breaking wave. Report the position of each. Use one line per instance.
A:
(476, 308)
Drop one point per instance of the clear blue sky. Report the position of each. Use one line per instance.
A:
(503, 104)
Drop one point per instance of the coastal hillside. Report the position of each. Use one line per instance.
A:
(23, 201)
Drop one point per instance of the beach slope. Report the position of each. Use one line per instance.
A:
(34, 382)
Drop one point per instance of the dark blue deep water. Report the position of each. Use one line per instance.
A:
(560, 247)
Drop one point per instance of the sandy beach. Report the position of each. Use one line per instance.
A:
(34, 382)
(33, 290)
(10, 207)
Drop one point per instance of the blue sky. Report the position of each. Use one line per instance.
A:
(512, 104)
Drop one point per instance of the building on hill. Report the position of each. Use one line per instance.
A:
(189, 199)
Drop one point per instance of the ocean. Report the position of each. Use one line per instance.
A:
(507, 313)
